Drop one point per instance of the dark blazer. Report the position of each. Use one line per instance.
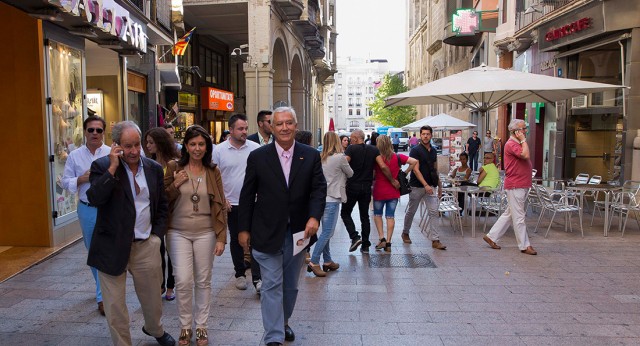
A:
(268, 206)
(254, 137)
(113, 234)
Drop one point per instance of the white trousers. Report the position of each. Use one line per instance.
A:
(514, 215)
(192, 258)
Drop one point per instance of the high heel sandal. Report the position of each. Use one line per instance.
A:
(315, 268)
(202, 339)
(387, 247)
(382, 244)
(330, 266)
(185, 337)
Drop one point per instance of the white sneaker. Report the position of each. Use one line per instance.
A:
(241, 283)
(258, 286)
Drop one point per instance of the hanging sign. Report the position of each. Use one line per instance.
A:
(217, 100)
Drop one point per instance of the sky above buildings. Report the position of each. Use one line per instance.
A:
(372, 29)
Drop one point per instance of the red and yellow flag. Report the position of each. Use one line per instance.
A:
(181, 46)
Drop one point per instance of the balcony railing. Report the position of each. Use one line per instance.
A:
(161, 13)
(536, 10)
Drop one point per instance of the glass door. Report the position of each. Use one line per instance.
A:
(64, 88)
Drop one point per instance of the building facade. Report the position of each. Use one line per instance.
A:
(69, 59)
(279, 53)
(355, 86)
(586, 40)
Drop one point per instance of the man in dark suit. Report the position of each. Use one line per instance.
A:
(283, 194)
(128, 191)
(264, 135)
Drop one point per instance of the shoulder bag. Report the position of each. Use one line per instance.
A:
(402, 179)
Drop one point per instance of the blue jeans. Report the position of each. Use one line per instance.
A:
(329, 222)
(87, 216)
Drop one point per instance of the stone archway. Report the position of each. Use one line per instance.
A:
(298, 93)
(281, 80)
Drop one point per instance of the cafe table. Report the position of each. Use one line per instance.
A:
(606, 189)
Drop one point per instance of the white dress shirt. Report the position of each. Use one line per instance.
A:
(78, 163)
(232, 163)
(142, 201)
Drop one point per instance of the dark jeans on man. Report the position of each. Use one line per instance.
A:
(237, 252)
(396, 147)
(473, 161)
(357, 193)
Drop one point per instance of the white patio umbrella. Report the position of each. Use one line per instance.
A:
(484, 88)
(439, 122)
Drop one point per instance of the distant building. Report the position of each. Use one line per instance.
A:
(347, 100)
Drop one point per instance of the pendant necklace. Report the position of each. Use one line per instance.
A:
(195, 198)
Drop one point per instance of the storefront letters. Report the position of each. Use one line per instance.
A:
(568, 29)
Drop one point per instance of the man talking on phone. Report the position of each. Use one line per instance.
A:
(128, 191)
(517, 183)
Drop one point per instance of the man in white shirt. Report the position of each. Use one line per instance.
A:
(75, 179)
(231, 158)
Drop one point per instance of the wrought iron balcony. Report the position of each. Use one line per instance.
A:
(289, 9)
(527, 13)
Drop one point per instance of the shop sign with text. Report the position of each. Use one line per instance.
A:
(573, 27)
(109, 17)
(217, 100)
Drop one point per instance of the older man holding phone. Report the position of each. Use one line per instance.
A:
(517, 182)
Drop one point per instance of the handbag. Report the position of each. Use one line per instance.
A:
(402, 179)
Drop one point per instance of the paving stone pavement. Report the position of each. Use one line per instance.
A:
(577, 291)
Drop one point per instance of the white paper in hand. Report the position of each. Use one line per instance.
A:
(299, 242)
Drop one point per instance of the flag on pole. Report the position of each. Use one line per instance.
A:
(181, 46)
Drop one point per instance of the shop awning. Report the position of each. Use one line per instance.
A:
(587, 47)
(169, 76)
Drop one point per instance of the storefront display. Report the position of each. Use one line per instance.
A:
(65, 122)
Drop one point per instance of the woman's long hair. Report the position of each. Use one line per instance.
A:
(331, 144)
(384, 145)
(165, 146)
(194, 131)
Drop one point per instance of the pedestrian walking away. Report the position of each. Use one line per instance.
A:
(128, 191)
(336, 170)
(517, 182)
(75, 179)
(283, 194)
(385, 195)
(362, 157)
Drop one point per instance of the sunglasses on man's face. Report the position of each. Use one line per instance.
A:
(96, 129)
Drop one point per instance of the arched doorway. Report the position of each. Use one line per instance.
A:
(281, 81)
(298, 94)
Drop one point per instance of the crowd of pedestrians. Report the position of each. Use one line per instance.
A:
(278, 197)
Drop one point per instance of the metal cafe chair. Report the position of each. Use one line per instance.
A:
(624, 203)
(566, 204)
(594, 180)
(448, 203)
(492, 205)
(628, 186)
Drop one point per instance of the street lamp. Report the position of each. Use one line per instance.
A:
(241, 54)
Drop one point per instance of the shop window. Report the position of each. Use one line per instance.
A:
(136, 91)
(65, 120)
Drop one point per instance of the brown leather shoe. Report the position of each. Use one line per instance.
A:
(101, 308)
(491, 243)
(529, 251)
(436, 244)
(315, 268)
(406, 239)
(330, 266)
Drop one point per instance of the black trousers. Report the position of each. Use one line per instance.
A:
(170, 281)
(360, 194)
(237, 252)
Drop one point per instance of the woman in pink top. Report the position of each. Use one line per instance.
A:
(384, 194)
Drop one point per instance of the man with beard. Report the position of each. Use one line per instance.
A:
(231, 158)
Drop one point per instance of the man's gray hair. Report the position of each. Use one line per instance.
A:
(515, 124)
(358, 133)
(286, 110)
(118, 129)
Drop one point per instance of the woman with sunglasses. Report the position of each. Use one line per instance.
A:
(197, 229)
(160, 146)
